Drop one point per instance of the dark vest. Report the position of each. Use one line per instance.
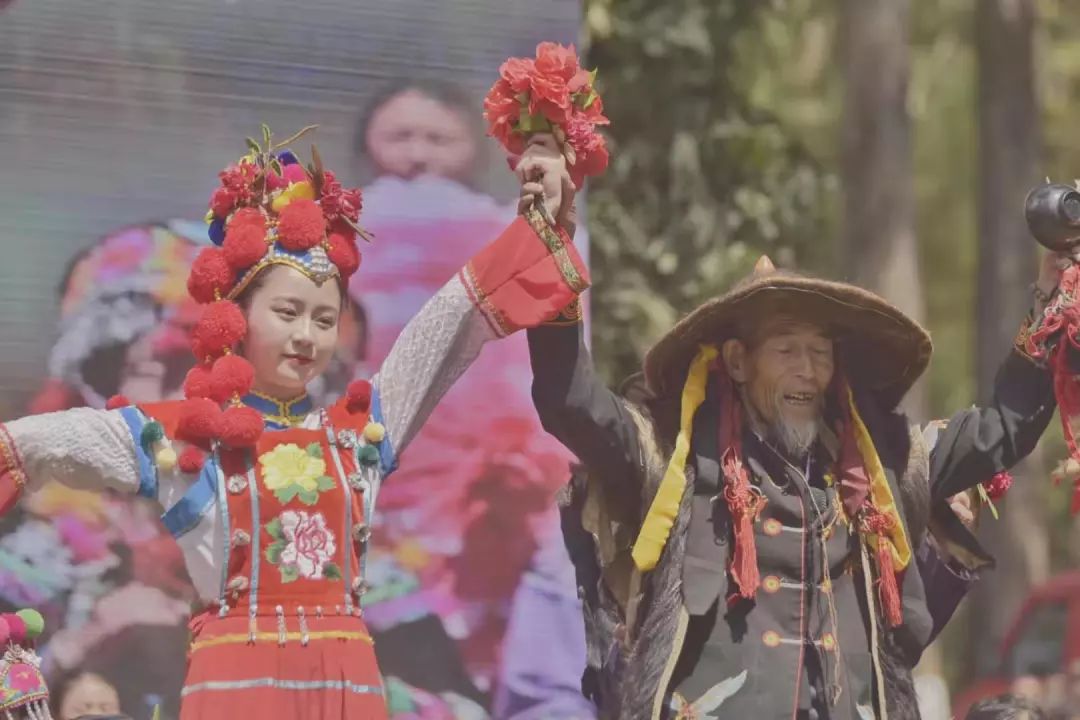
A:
(802, 644)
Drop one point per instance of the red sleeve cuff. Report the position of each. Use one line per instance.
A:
(527, 276)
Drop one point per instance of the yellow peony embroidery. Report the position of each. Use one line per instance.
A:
(290, 464)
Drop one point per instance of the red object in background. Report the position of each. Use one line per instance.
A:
(1043, 640)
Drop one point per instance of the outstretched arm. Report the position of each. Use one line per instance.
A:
(975, 444)
(522, 279)
(82, 448)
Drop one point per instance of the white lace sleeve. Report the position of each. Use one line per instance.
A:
(82, 448)
(431, 353)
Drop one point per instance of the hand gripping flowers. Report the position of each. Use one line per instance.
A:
(269, 210)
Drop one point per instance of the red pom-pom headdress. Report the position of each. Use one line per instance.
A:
(269, 210)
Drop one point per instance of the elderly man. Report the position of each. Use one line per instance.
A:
(747, 522)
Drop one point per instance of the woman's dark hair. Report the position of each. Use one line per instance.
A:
(1005, 707)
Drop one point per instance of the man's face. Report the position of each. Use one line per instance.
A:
(785, 373)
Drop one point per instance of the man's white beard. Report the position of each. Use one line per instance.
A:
(795, 438)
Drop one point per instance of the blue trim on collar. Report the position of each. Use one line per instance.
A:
(197, 501)
(387, 457)
(271, 408)
(148, 480)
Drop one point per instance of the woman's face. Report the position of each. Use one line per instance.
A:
(89, 694)
(413, 134)
(292, 331)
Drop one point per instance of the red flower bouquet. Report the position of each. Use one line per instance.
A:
(550, 93)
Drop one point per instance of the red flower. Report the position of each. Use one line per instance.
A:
(517, 73)
(502, 110)
(555, 60)
(222, 201)
(590, 149)
(240, 180)
(337, 201)
(550, 97)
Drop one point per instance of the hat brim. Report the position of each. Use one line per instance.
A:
(881, 349)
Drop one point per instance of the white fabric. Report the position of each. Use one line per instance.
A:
(431, 353)
(82, 448)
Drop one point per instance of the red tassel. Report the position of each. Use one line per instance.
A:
(879, 524)
(116, 402)
(888, 591)
(744, 506)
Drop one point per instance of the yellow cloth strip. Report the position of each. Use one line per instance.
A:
(880, 492)
(245, 638)
(665, 506)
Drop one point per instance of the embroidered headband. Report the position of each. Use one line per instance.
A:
(22, 686)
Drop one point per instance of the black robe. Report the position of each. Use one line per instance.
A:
(780, 640)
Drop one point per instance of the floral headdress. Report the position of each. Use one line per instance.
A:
(550, 93)
(269, 210)
(22, 686)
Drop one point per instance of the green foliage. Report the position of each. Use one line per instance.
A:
(704, 177)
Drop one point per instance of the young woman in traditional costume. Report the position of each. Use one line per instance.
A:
(269, 498)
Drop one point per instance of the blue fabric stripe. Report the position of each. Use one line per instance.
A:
(387, 458)
(256, 526)
(346, 570)
(148, 481)
(270, 682)
(218, 480)
(197, 501)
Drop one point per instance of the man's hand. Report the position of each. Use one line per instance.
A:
(543, 175)
(1050, 269)
(960, 504)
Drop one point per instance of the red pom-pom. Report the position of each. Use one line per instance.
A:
(116, 402)
(231, 375)
(241, 426)
(210, 277)
(16, 629)
(199, 420)
(247, 216)
(358, 396)
(222, 325)
(191, 460)
(245, 244)
(343, 253)
(301, 225)
(198, 383)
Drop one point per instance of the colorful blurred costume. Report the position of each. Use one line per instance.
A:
(272, 500)
(23, 692)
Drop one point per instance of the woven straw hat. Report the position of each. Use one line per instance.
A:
(882, 350)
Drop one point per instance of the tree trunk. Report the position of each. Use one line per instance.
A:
(880, 248)
(1009, 158)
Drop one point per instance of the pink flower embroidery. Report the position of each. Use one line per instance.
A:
(24, 678)
(304, 548)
